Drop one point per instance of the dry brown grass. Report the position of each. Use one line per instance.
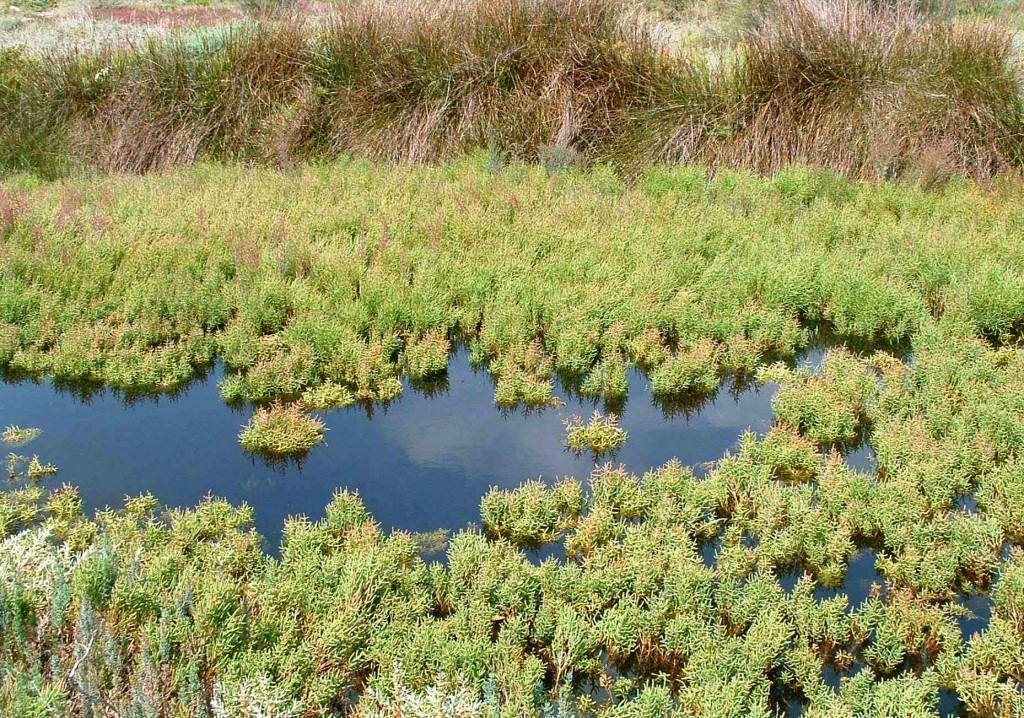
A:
(874, 91)
(866, 91)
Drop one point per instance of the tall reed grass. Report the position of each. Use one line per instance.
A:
(867, 89)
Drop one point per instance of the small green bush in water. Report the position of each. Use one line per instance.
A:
(327, 396)
(829, 407)
(690, 370)
(281, 429)
(602, 434)
(16, 435)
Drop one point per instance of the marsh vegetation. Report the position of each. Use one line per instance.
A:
(600, 434)
(322, 218)
(868, 89)
(664, 590)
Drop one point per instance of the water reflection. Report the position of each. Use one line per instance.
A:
(421, 463)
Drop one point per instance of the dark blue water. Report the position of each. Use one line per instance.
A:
(419, 464)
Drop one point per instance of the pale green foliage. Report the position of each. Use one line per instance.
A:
(533, 514)
(693, 369)
(686, 276)
(428, 356)
(16, 435)
(437, 701)
(601, 434)
(829, 407)
(718, 279)
(327, 396)
(281, 429)
(633, 595)
(607, 379)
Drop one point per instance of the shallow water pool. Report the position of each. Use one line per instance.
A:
(419, 464)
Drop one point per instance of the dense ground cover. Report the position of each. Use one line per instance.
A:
(322, 285)
(868, 89)
(348, 275)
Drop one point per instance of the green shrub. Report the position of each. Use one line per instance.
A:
(281, 429)
(602, 434)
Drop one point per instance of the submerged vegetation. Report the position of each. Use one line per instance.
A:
(869, 89)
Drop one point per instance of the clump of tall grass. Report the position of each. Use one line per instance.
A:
(281, 429)
(876, 89)
(860, 87)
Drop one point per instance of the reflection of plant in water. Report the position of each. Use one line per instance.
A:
(608, 378)
(431, 543)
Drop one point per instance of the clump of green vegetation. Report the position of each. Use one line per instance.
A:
(1001, 494)
(523, 375)
(632, 597)
(690, 370)
(428, 356)
(281, 429)
(608, 379)
(327, 396)
(34, 469)
(37, 470)
(533, 514)
(790, 456)
(16, 435)
(830, 407)
(601, 435)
